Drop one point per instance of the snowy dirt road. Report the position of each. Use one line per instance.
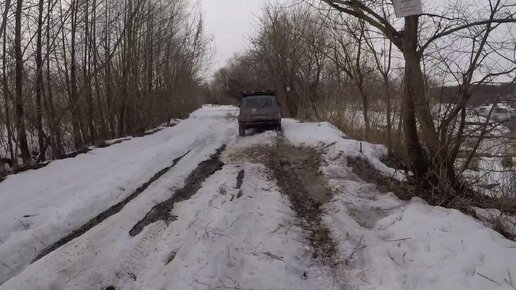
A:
(197, 207)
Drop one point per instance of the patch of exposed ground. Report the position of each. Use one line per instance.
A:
(240, 180)
(106, 143)
(405, 191)
(363, 169)
(161, 212)
(300, 165)
(298, 175)
(297, 172)
(109, 212)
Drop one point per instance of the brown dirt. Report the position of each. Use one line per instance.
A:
(298, 175)
(240, 180)
(297, 171)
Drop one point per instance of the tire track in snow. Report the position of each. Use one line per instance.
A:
(107, 213)
(192, 184)
(296, 170)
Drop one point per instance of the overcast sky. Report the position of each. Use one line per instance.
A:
(230, 22)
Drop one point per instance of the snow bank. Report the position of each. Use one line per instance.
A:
(325, 134)
(385, 243)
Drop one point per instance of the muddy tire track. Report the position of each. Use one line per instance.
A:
(107, 213)
(297, 172)
(161, 212)
(240, 180)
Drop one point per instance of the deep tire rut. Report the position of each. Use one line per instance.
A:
(296, 170)
(161, 212)
(107, 213)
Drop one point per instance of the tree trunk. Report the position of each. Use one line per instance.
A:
(3, 25)
(20, 111)
(365, 110)
(86, 71)
(102, 134)
(415, 87)
(124, 126)
(415, 105)
(415, 153)
(39, 85)
(56, 143)
(74, 101)
(12, 155)
(389, 113)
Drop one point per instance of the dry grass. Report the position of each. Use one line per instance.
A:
(377, 134)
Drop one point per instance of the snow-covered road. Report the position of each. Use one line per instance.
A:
(39, 207)
(232, 227)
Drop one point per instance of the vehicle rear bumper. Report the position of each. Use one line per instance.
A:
(261, 123)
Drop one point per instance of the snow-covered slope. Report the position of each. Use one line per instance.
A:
(236, 231)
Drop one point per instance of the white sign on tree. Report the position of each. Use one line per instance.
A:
(404, 8)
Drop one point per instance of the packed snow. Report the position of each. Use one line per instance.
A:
(225, 237)
(39, 207)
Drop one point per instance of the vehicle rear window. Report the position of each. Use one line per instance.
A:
(258, 102)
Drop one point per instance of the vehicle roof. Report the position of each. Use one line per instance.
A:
(258, 93)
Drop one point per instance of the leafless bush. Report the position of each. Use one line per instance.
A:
(76, 72)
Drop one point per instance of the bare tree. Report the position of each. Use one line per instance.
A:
(19, 100)
(427, 158)
(77, 72)
(4, 17)
(39, 83)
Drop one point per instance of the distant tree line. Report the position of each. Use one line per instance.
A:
(75, 72)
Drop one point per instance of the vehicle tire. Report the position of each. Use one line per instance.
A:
(241, 130)
(277, 127)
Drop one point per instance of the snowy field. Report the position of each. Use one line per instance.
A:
(236, 231)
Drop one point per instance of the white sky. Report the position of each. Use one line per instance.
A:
(230, 22)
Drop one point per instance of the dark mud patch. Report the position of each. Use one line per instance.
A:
(106, 143)
(240, 179)
(365, 171)
(297, 172)
(395, 161)
(109, 212)
(170, 257)
(161, 212)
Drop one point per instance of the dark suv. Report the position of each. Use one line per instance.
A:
(259, 110)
